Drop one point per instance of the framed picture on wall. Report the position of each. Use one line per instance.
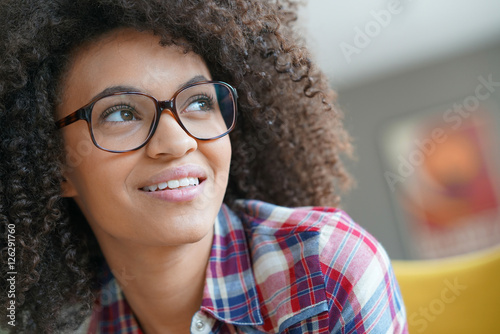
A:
(442, 170)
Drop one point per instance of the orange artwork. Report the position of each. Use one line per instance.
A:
(445, 184)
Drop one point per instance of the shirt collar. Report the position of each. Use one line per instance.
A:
(230, 292)
(244, 248)
(286, 260)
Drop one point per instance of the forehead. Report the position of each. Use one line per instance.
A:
(126, 57)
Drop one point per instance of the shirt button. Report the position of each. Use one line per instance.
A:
(200, 325)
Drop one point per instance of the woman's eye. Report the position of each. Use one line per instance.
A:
(204, 105)
(119, 114)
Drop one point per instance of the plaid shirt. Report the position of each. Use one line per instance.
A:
(281, 270)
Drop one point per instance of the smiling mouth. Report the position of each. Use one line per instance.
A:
(174, 184)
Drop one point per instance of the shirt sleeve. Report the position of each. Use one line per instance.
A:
(362, 291)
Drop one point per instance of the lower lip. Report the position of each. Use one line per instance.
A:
(178, 195)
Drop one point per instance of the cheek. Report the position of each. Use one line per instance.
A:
(78, 145)
(97, 183)
(224, 155)
(220, 155)
(93, 173)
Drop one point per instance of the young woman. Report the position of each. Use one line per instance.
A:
(127, 207)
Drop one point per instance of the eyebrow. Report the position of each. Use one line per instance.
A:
(120, 88)
(193, 80)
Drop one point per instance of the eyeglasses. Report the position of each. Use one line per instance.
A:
(126, 121)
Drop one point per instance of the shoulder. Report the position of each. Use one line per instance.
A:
(341, 242)
(347, 271)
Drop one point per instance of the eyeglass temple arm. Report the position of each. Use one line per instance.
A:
(72, 118)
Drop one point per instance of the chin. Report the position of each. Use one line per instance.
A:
(187, 233)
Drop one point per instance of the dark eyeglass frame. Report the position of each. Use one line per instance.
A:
(85, 113)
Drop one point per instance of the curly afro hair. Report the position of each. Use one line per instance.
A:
(285, 148)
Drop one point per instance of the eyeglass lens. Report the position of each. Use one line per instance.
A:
(124, 122)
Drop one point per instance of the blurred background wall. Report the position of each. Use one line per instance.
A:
(419, 84)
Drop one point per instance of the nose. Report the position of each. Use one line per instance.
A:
(170, 139)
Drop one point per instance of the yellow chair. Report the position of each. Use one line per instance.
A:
(453, 295)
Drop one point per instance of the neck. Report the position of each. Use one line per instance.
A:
(163, 285)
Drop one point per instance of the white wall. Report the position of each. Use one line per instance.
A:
(355, 41)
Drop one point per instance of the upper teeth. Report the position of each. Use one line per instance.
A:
(173, 184)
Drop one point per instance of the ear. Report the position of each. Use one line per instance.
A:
(67, 186)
